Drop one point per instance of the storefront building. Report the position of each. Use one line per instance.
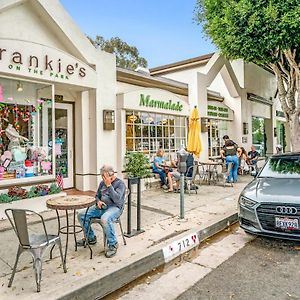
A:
(51, 98)
(245, 90)
(153, 114)
(217, 124)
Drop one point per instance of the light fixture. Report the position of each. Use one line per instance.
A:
(132, 118)
(19, 87)
(205, 123)
(108, 120)
(245, 128)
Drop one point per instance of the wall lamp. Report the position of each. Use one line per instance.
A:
(204, 124)
(108, 119)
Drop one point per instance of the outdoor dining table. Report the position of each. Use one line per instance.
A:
(70, 203)
(210, 169)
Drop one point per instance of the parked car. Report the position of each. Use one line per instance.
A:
(270, 204)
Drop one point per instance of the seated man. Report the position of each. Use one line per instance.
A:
(253, 156)
(160, 167)
(110, 199)
(189, 169)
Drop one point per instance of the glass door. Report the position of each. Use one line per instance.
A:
(64, 143)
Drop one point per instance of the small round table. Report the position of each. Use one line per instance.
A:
(73, 203)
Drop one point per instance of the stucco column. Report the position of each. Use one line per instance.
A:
(199, 92)
(82, 141)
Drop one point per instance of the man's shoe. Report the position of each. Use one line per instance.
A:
(111, 250)
(81, 243)
(165, 187)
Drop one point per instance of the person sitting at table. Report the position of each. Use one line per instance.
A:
(243, 160)
(188, 173)
(110, 198)
(229, 152)
(253, 156)
(164, 171)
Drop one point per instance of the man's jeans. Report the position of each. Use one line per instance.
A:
(233, 174)
(107, 216)
(162, 175)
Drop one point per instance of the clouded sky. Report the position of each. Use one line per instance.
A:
(162, 30)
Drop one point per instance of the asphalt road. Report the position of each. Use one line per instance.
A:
(263, 269)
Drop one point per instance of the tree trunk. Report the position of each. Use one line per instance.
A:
(294, 125)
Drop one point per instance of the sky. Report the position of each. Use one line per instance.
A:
(163, 30)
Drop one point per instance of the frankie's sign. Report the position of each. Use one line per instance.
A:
(39, 61)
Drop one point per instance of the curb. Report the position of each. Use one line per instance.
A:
(112, 282)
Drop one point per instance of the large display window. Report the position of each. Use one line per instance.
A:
(26, 131)
(216, 130)
(147, 132)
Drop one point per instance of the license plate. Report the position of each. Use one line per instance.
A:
(287, 223)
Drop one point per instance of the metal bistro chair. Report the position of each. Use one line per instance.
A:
(117, 221)
(35, 244)
(190, 180)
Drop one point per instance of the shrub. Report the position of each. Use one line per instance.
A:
(137, 165)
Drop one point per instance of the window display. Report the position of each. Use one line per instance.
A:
(25, 142)
(216, 130)
(148, 132)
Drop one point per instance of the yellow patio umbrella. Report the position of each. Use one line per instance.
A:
(194, 143)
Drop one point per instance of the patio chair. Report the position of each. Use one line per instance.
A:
(189, 178)
(35, 244)
(117, 221)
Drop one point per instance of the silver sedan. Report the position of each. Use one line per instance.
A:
(270, 204)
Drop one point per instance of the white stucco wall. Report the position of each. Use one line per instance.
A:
(259, 81)
(44, 22)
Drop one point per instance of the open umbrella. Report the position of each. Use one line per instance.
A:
(194, 144)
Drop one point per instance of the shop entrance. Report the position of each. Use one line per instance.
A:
(64, 143)
(259, 139)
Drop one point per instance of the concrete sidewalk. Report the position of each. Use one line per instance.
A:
(211, 210)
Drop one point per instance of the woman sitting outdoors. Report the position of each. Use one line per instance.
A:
(160, 167)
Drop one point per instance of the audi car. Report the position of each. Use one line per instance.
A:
(270, 204)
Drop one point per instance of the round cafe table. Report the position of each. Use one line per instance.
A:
(70, 204)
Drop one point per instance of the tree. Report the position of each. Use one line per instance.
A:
(127, 56)
(265, 32)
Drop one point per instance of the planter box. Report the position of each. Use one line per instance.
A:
(38, 204)
(144, 185)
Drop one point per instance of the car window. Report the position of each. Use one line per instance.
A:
(282, 167)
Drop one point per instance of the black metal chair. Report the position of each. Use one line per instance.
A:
(35, 244)
(117, 221)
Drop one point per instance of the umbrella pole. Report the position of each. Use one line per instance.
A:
(182, 196)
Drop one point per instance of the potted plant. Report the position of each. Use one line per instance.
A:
(137, 166)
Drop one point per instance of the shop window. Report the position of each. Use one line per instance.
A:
(216, 130)
(25, 131)
(259, 135)
(147, 132)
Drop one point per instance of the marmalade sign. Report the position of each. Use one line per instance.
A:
(168, 105)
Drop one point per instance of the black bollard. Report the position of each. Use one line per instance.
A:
(138, 229)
